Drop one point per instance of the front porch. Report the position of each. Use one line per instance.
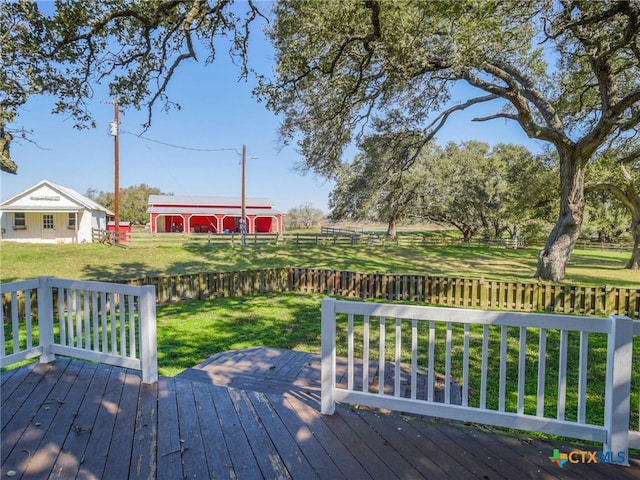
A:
(75, 419)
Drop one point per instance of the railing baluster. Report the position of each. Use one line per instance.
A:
(542, 365)
(132, 327)
(77, 294)
(522, 360)
(62, 322)
(95, 321)
(582, 376)
(15, 323)
(431, 371)
(122, 317)
(503, 368)
(104, 312)
(365, 355)
(562, 374)
(113, 306)
(414, 357)
(396, 386)
(350, 351)
(465, 367)
(483, 368)
(2, 349)
(381, 356)
(447, 367)
(87, 319)
(27, 317)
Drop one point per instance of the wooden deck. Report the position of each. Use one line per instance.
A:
(245, 414)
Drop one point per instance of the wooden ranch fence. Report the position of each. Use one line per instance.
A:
(446, 291)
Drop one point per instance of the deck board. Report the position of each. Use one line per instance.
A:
(216, 453)
(169, 457)
(287, 448)
(74, 419)
(243, 461)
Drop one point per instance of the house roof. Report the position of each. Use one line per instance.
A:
(207, 201)
(26, 201)
(210, 211)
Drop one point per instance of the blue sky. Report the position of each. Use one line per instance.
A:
(218, 112)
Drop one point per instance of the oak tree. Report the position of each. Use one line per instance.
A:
(568, 72)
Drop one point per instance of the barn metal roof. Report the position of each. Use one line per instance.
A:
(264, 212)
(204, 200)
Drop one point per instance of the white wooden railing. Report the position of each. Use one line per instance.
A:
(390, 348)
(97, 321)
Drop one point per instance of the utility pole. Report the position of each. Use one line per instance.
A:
(243, 217)
(116, 182)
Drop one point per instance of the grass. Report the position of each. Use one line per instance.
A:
(101, 262)
(190, 332)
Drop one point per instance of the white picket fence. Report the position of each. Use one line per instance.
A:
(401, 343)
(96, 321)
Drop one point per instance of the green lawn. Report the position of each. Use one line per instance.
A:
(102, 262)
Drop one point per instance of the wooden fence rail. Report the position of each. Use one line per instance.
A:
(446, 291)
(331, 236)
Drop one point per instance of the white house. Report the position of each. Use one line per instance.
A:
(51, 213)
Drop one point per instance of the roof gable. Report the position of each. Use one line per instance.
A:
(48, 195)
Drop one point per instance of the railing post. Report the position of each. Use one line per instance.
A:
(328, 356)
(148, 340)
(45, 320)
(617, 404)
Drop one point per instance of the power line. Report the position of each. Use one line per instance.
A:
(182, 147)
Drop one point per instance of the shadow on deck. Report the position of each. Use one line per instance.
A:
(244, 414)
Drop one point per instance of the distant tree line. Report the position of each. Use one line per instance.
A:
(471, 187)
(134, 202)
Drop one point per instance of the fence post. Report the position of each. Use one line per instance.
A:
(484, 294)
(148, 339)
(328, 356)
(45, 319)
(617, 403)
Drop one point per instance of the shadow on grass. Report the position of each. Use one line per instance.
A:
(119, 271)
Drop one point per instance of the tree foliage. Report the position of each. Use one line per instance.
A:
(614, 182)
(568, 72)
(479, 189)
(471, 187)
(304, 216)
(134, 47)
(134, 202)
(382, 183)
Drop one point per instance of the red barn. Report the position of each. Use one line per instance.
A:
(202, 214)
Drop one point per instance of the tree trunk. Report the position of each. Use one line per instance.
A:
(552, 261)
(392, 228)
(634, 261)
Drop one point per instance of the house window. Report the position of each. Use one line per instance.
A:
(71, 222)
(47, 221)
(19, 221)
